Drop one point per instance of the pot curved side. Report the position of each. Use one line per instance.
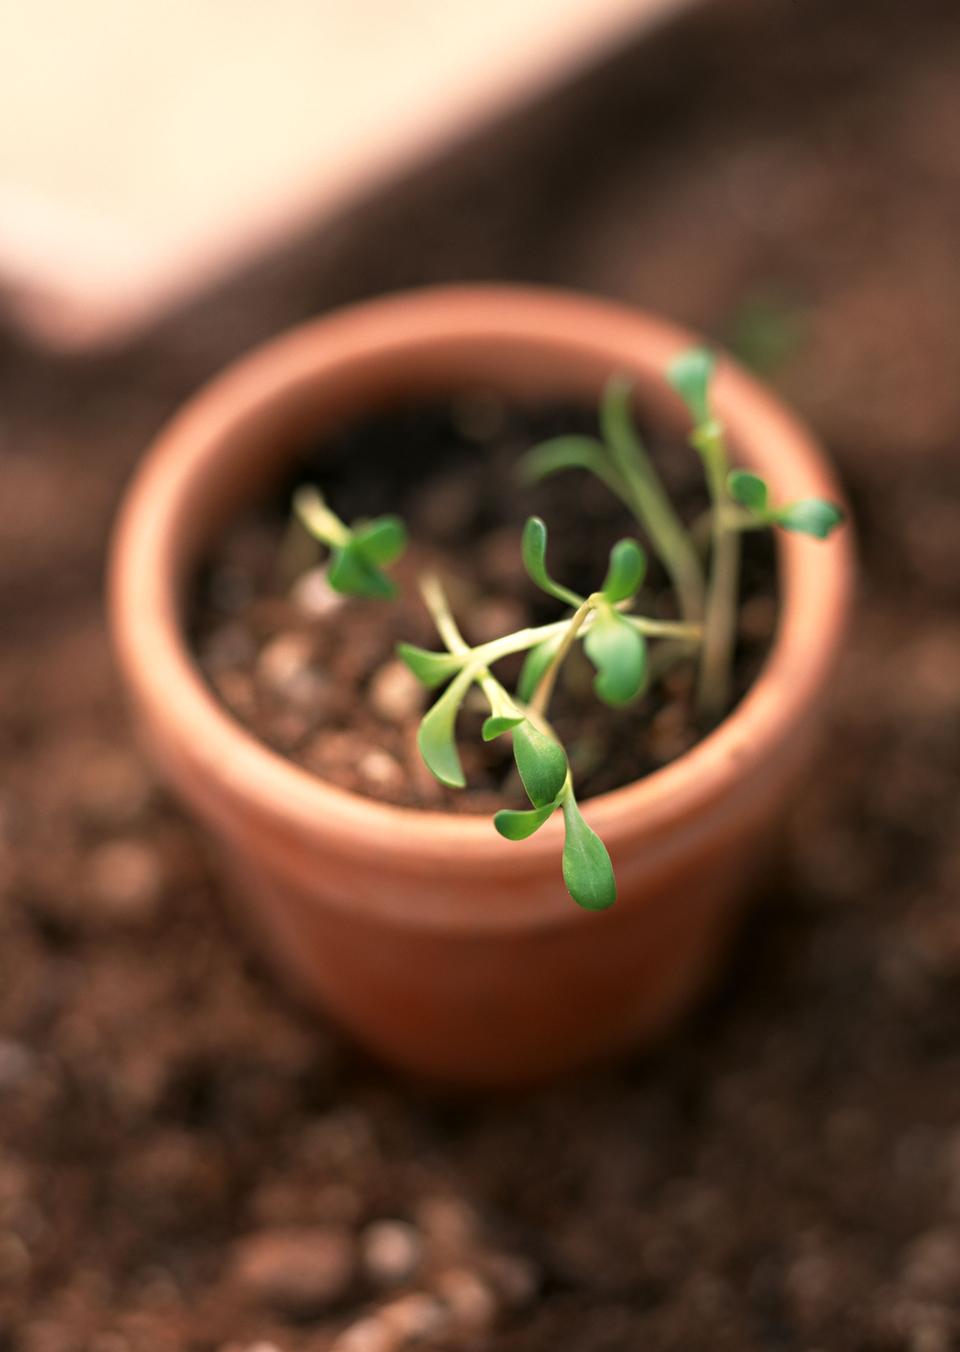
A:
(452, 953)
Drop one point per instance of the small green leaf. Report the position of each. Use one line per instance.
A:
(541, 761)
(430, 668)
(587, 870)
(810, 516)
(534, 549)
(352, 574)
(382, 541)
(619, 653)
(535, 664)
(748, 489)
(562, 453)
(519, 825)
(436, 734)
(690, 375)
(628, 564)
(497, 724)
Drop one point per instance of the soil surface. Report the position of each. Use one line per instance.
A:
(189, 1163)
(316, 676)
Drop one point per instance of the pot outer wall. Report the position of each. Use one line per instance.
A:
(454, 955)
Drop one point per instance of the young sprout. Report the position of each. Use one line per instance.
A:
(691, 375)
(738, 502)
(358, 553)
(614, 638)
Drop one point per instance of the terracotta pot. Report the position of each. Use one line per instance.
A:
(451, 953)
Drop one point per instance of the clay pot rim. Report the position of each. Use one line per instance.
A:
(816, 577)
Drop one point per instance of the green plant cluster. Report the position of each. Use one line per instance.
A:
(615, 639)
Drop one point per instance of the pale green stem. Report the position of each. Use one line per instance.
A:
(486, 654)
(317, 517)
(720, 621)
(435, 599)
(650, 503)
(541, 695)
(735, 518)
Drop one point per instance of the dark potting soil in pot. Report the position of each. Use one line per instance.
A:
(315, 675)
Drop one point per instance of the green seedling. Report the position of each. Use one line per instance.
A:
(614, 638)
(358, 553)
(615, 641)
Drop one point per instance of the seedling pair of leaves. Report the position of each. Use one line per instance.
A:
(358, 553)
(691, 376)
(807, 516)
(616, 648)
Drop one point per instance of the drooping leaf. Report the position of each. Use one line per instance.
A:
(749, 490)
(431, 668)
(541, 761)
(625, 572)
(436, 736)
(690, 375)
(382, 541)
(587, 870)
(619, 653)
(810, 516)
(352, 574)
(534, 550)
(497, 724)
(561, 453)
(519, 825)
(535, 664)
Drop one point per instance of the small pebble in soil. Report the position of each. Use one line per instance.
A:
(391, 1251)
(123, 880)
(300, 1272)
(313, 595)
(284, 668)
(395, 693)
(380, 771)
(403, 1322)
(469, 1299)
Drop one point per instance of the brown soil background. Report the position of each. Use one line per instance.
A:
(186, 1162)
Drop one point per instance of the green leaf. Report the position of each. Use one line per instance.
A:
(748, 489)
(541, 761)
(810, 516)
(382, 541)
(690, 375)
(519, 825)
(587, 870)
(352, 574)
(562, 453)
(619, 653)
(625, 572)
(436, 734)
(534, 549)
(535, 664)
(430, 668)
(498, 724)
